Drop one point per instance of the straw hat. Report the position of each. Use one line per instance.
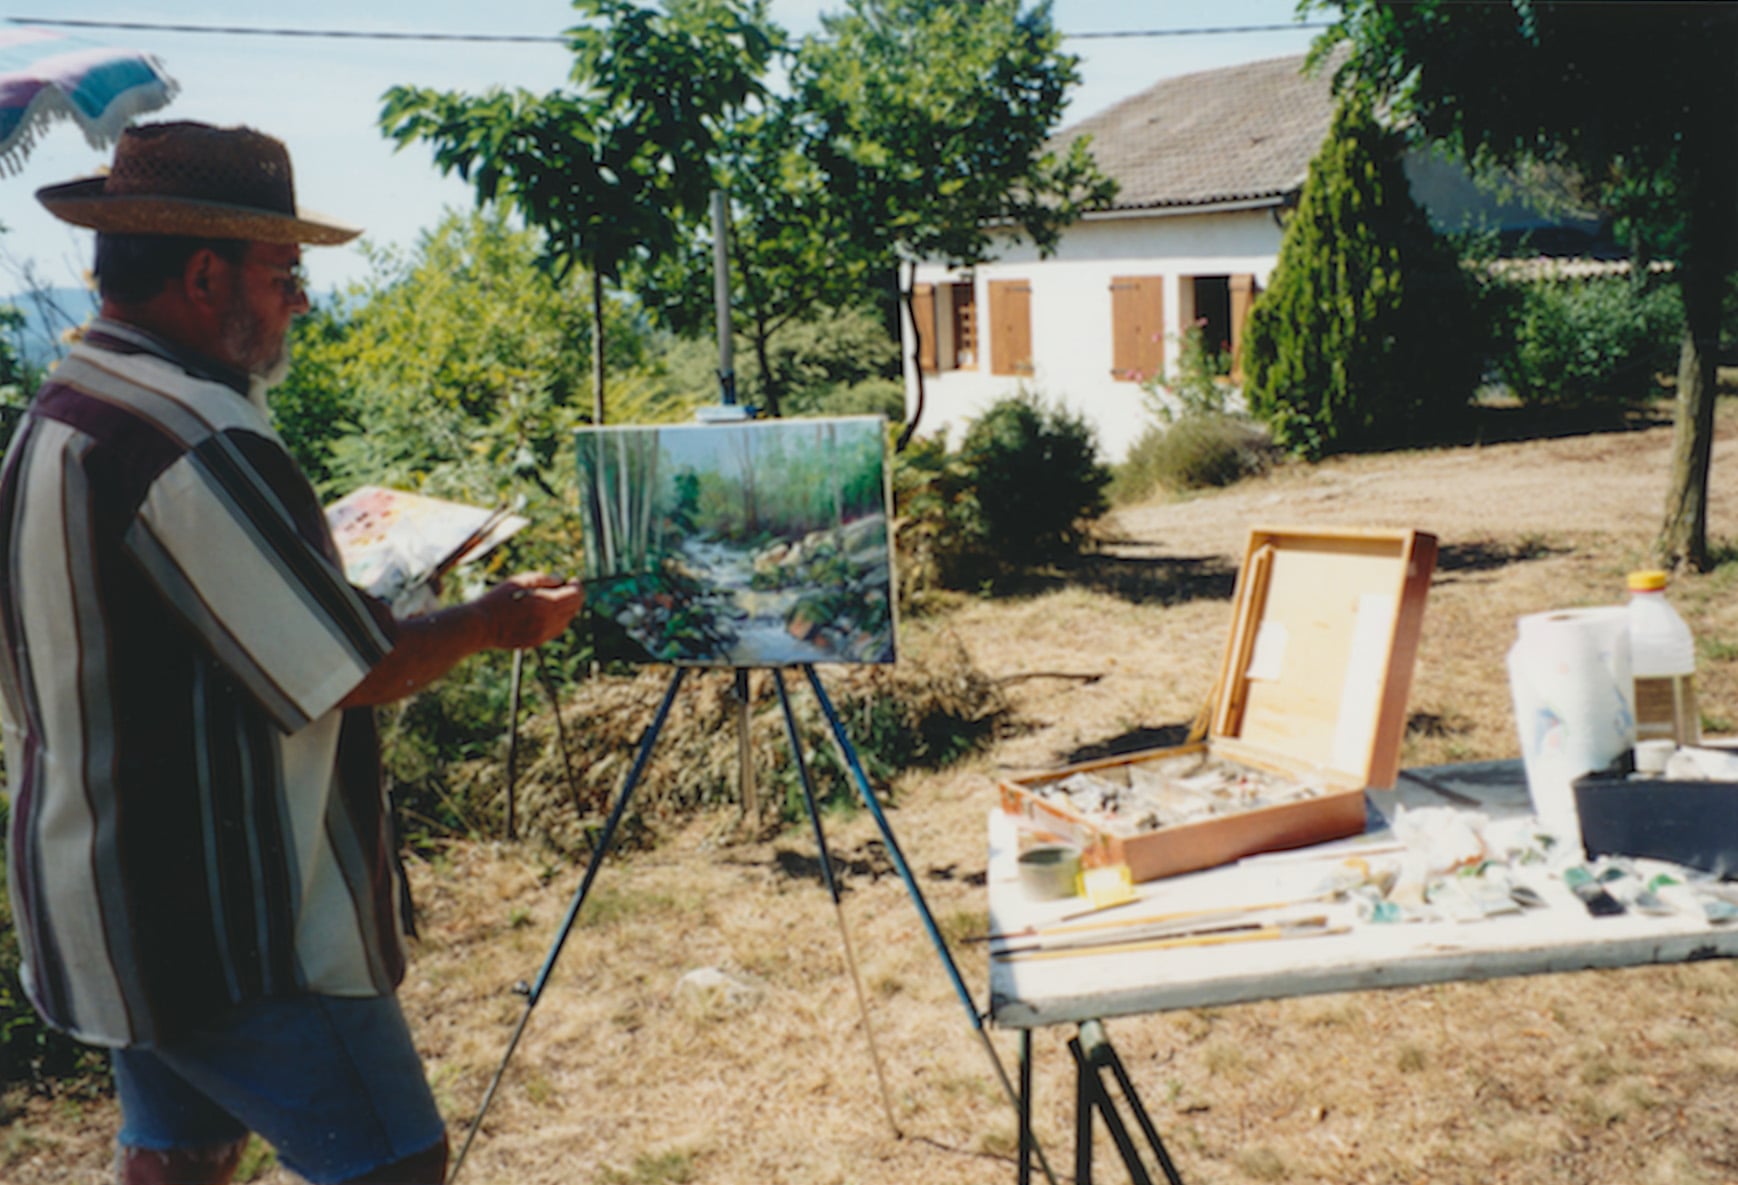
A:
(197, 180)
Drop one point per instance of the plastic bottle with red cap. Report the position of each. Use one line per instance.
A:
(1663, 656)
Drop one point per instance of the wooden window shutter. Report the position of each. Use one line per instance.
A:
(923, 314)
(1137, 314)
(1010, 327)
(965, 327)
(1244, 290)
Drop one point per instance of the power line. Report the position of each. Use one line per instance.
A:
(257, 31)
(535, 38)
(1195, 32)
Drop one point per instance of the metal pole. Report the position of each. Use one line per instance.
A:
(554, 695)
(721, 298)
(848, 758)
(745, 749)
(534, 991)
(513, 746)
(784, 701)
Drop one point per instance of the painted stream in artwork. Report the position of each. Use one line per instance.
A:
(762, 639)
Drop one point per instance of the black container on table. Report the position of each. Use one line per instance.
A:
(1689, 823)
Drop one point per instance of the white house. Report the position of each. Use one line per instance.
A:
(1206, 164)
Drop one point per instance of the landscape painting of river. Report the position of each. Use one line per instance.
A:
(755, 544)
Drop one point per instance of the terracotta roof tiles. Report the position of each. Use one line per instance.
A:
(1239, 134)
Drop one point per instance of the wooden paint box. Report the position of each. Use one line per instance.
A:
(1312, 688)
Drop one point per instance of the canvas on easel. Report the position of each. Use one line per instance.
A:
(749, 544)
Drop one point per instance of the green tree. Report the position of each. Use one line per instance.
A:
(789, 262)
(1362, 336)
(18, 379)
(459, 371)
(611, 169)
(1566, 80)
(922, 134)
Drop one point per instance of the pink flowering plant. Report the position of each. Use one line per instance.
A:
(1200, 384)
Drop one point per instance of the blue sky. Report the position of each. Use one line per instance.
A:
(322, 96)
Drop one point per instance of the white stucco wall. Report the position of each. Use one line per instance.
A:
(1071, 314)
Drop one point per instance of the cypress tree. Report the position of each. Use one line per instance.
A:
(1365, 336)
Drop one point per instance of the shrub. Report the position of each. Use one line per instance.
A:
(926, 712)
(939, 529)
(812, 362)
(1037, 477)
(1194, 452)
(1588, 344)
(1196, 442)
(1366, 335)
(883, 397)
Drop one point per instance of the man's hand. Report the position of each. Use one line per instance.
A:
(522, 611)
(529, 609)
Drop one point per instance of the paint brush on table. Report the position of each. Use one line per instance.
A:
(1316, 926)
(1203, 916)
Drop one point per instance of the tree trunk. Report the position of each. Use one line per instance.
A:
(1711, 196)
(770, 388)
(1683, 542)
(770, 385)
(905, 298)
(596, 346)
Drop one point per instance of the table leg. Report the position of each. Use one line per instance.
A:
(1093, 1054)
(1025, 1176)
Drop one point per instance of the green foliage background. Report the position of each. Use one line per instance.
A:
(1596, 343)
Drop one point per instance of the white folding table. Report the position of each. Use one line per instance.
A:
(1335, 953)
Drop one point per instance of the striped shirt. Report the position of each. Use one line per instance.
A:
(194, 820)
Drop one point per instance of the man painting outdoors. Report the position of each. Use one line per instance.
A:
(201, 859)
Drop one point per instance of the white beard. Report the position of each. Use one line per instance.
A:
(259, 384)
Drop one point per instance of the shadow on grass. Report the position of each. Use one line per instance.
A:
(1510, 423)
(1171, 580)
(1137, 740)
(1489, 555)
(869, 861)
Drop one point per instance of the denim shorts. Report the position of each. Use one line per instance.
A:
(333, 1084)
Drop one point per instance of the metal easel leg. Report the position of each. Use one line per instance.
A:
(534, 991)
(513, 746)
(1093, 1054)
(848, 758)
(750, 802)
(832, 883)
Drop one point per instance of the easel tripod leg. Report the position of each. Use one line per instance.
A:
(848, 758)
(832, 883)
(535, 991)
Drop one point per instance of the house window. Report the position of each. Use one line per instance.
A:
(1137, 314)
(947, 326)
(1010, 327)
(1220, 304)
(965, 325)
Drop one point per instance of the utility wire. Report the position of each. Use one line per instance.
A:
(1193, 32)
(256, 31)
(537, 38)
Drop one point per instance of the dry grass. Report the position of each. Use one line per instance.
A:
(1593, 1078)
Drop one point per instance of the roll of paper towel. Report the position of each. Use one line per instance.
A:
(1569, 673)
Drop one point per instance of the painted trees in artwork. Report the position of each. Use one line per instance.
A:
(619, 477)
(742, 539)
